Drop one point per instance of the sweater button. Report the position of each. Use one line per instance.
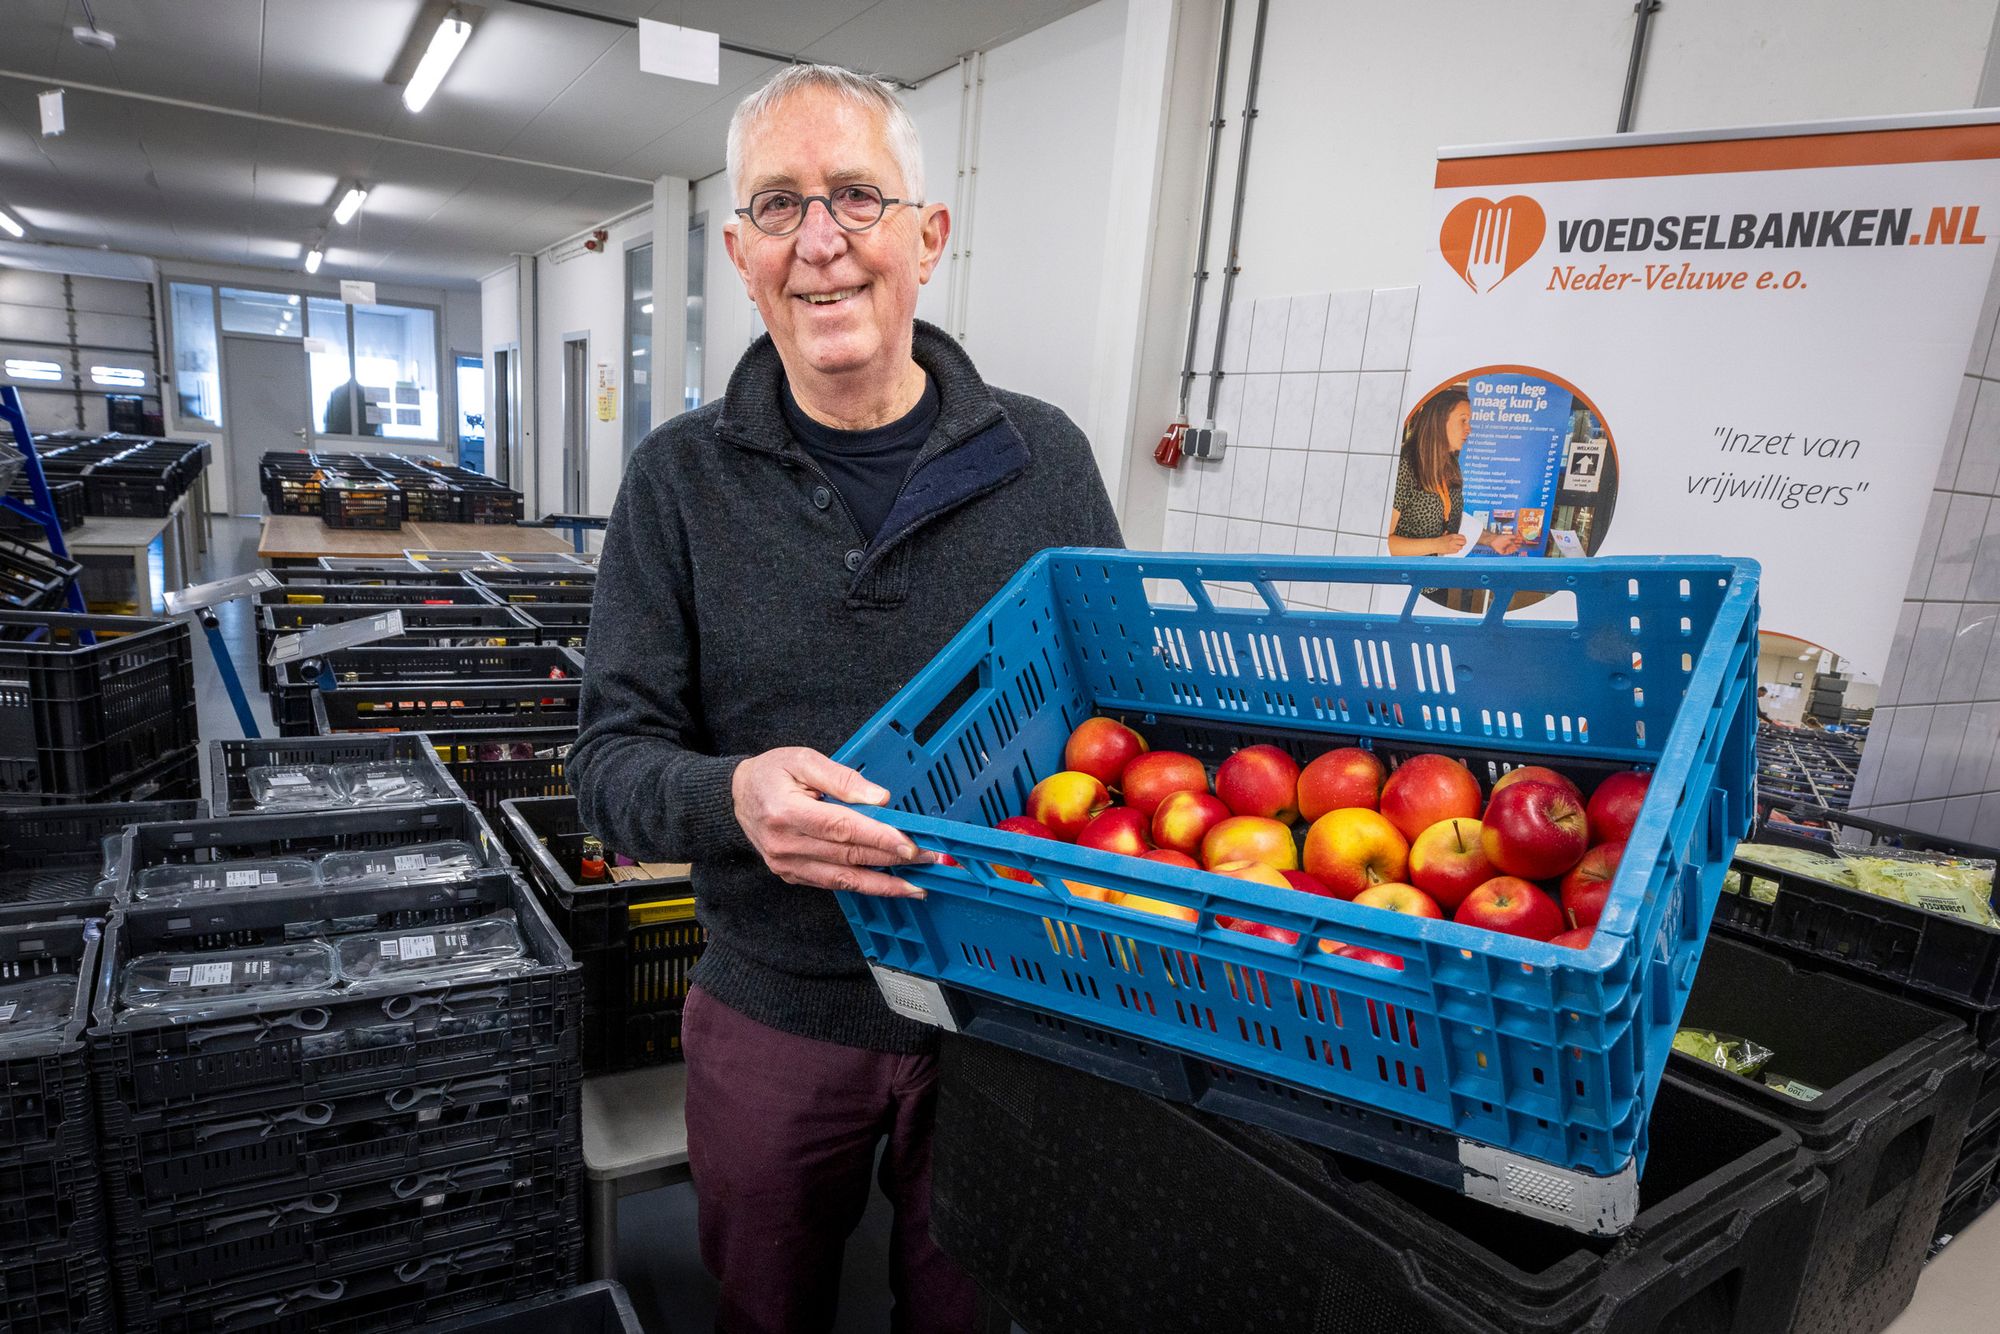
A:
(854, 559)
(821, 497)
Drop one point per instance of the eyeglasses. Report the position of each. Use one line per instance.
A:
(855, 208)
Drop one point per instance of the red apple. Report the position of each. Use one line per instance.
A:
(1522, 773)
(1168, 857)
(1534, 830)
(1184, 819)
(1020, 824)
(1158, 907)
(1260, 780)
(1102, 747)
(1257, 873)
(1340, 779)
(1305, 882)
(1588, 884)
(1576, 939)
(1512, 906)
(1352, 849)
(1447, 861)
(1614, 806)
(1405, 899)
(1066, 802)
(1377, 957)
(1157, 775)
(1119, 829)
(1250, 838)
(1428, 788)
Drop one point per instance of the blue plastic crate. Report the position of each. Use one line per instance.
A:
(1537, 1050)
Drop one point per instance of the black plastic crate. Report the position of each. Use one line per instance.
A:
(55, 1292)
(52, 857)
(405, 576)
(1048, 1187)
(32, 578)
(1966, 1205)
(497, 764)
(516, 592)
(1897, 1082)
(591, 1308)
(427, 622)
(136, 490)
(175, 777)
(545, 835)
(314, 1240)
(408, 1294)
(373, 507)
(428, 501)
(68, 499)
(634, 994)
(481, 705)
(300, 834)
(559, 622)
(230, 763)
(535, 578)
(264, 1052)
(76, 718)
(415, 665)
(49, 1200)
(486, 504)
(44, 1078)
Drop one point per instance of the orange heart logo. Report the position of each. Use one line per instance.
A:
(1485, 242)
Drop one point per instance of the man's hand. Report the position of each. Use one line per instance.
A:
(806, 841)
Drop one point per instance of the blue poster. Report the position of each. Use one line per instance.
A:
(1512, 458)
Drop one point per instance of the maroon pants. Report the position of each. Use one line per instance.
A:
(782, 1132)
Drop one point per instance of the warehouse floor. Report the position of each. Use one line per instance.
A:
(658, 1260)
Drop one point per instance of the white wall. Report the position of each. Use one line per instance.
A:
(730, 318)
(499, 327)
(583, 296)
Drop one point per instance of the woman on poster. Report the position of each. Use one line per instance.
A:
(1430, 500)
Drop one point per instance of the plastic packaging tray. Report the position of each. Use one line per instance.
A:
(230, 763)
(1508, 1045)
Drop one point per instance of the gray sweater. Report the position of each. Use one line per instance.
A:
(739, 609)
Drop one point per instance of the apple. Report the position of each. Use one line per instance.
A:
(1428, 788)
(1576, 939)
(1182, 820)
(1260, 780)
(1158, 774)
(1305, 882)
(1379, 958)
(1405, 899)
(1119, 829)
(1339, 779)
(1020, 824)
(1256, 873)
(1066, 802)
(1169, 857)
(1447, 861)
(1250, 838)
(1102, 747)
(1614, 806)
(1158, 907)
(1522, 773)
(1534, 830)
(1588, 884)
(1511, 906)
(1352, 849)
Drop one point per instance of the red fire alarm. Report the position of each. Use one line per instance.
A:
(595, 241)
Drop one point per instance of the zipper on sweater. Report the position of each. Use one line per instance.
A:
(838, 499)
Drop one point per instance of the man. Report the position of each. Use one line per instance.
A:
(777, 565)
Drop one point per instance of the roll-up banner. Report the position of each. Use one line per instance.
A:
(1746, 342)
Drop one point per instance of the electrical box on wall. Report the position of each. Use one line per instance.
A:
(1205, 442)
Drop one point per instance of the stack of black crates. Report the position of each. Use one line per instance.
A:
(125, 476)
(382, 491)
(359, 1158)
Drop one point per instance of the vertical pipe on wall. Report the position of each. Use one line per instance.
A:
(961, 289)
(528, 467)
(1643, 20)
(1215, 125)
(1231, 269)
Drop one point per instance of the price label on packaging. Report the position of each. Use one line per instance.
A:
(6, 1012)
(419, 947)
(288, 780)
(243, 879)
(409, 861)
(177, 977)
(211, 974)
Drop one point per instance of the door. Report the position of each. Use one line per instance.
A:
(506, 448)
(265, 393)
(576, 424)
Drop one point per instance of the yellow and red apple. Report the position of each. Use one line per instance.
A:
(1428, 788)
(1158, 774)
(1260, 780)
(1102, 747)
(1066, 802)
(1350, 850)
(1250, 838)
(1447, 861)
(1339, 779)
(1182, 820)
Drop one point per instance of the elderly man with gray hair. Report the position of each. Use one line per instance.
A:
(778, 564)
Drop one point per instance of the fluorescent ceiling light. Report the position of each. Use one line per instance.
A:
(646, 309)
(313, 258)
(123, 376)
(349, 205)
(292, 300)
(33, 370)
(446, 43)
(11, 227)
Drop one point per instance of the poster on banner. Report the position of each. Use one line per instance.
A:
(1741, 342)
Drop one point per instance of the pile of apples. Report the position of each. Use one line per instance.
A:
(1531, 858)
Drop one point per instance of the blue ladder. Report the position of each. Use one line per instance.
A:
(40, 507)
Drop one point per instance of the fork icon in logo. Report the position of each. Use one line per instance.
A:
(1492, 229)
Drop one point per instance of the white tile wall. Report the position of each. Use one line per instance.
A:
(1932, 761)
(1312, 398)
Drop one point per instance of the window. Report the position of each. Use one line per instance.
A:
(471, 413)
(328, 366)
(696, 309)
(395, 362)
(197, 355)
(638, 345)
(273, 314)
